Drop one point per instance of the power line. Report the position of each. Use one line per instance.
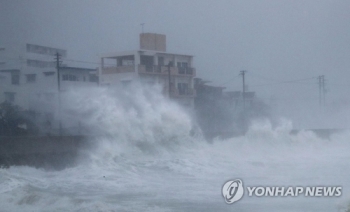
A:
(284, 81)
(280, 83)
(230, 80)
(299, 81)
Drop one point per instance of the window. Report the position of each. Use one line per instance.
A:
(45, 50)
(182, 66)
(40, 64)
(161, 61)
(15, 79)
(127, 62)
(183, 88)
(10, 96)
(69, 77)
(31, 78)
(146, 60)
(49, 73)
(93, 78)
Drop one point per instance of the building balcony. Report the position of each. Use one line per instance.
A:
(118, 69)
(156, 69)
(187, 71)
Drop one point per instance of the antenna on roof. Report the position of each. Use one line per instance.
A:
(142, 24)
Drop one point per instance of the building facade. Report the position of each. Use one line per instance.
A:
(151, 64)
(28, 71)
(28, 78)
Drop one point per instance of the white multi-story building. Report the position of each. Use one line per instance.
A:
(27, 70)
(28, 77)
(151, 64)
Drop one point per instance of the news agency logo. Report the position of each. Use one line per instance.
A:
(233, 191)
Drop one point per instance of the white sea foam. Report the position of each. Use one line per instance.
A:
(146, 160)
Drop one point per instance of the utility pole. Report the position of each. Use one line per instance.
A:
(322, 90)
(169, 78)
(243, 93)
(142, 25)
(244, 118)
(58, 58)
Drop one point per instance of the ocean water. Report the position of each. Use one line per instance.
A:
(148, 159)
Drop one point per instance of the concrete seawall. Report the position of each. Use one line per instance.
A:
(52, 152)
(59, 152)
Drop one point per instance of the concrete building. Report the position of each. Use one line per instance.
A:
(26, 70)
(221, 113)
(151, 64)
(28, 78)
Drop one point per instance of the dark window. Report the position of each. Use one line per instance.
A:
(73, 78)
(161, 61)
(182, 67)
(69, 77)
(40, 64)
(15, 79)
(93, 78)
(49, 73)
(45, 50)
(183, 88)
(146, 60)
(31, 78)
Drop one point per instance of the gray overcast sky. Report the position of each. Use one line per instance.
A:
(272, 39)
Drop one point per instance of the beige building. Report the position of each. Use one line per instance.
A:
(151, 64)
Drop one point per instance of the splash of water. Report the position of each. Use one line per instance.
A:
(146, 160)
